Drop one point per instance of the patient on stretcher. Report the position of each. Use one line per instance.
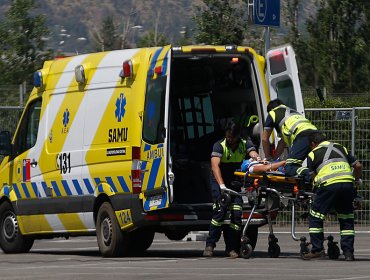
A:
(261, 166)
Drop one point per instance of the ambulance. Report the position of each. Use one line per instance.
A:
(117, 144)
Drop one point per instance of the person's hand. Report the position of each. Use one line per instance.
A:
(223, 187)
(358, 182)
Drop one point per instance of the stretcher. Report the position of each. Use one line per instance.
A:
(266, 194)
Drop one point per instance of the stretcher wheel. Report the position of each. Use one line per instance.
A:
(246, 250)
(225, 199)
(274, 250)
(333, 252)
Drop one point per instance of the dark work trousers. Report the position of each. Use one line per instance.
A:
(232, 231)
(338, 196)
(297, 153)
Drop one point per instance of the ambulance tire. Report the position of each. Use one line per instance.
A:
(111, 240)
(11, 240)
(176, 235)
(140, 240)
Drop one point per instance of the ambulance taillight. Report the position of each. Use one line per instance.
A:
(136, 170)
(127, 70)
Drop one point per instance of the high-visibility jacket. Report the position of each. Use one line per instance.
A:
(290, 123)
(330, 162)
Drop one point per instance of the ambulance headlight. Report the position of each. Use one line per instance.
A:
(80, 74)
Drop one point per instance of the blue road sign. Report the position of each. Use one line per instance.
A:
(267, 13)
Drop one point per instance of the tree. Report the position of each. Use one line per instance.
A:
(152, 39)
(106, 39)
(339, 45)
(219, 22)
(21, 45)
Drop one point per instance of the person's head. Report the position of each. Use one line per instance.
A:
(316, 138)
(273, 104)
(232, 134)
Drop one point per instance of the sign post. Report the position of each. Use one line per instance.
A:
(266, 13)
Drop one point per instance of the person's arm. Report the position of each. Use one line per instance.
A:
(215, 163)
(270, 166)
(266, 142)
(279, 149)
(357, 171)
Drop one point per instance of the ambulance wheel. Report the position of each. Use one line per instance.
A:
(246, 250)
(274, 250)
(111, 240)
(140, 240)
(176, 235)
(11, 239)
(333, 252)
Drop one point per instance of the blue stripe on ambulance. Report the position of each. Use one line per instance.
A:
(6, 191)
(15, 187)
(154, 173)
(77, 186)
(147, 147)
(154, 61)
(24, 187)
(143, 167)
(66, 187)
(44, 186)
(111, 183)
(88, 185)
(56, 189)
(34, 186)
(164, 65)
(124, 186)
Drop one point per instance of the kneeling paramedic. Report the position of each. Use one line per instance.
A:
(334, 180)
(226, 157)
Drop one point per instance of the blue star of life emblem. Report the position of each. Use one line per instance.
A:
(120, 107)
(65, 118)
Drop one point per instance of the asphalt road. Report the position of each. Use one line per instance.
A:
(79, 258)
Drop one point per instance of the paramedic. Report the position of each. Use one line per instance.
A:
(293, 128)
(226, 157)
(334, 180)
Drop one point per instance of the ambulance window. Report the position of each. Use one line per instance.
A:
(285, 92)
(198, 115)
(27, 133)
(154, 111)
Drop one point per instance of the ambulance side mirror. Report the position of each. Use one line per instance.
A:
(5, 143)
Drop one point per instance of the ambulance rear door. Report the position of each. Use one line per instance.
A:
(156, 189)
(282, 77)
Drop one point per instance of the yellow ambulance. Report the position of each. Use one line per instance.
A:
(117, 144)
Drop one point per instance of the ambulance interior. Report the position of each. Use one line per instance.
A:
(206, 92)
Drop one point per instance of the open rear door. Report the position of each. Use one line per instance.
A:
(156, 189)
(282, 77)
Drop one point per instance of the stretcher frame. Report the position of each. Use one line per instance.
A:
(291, 191)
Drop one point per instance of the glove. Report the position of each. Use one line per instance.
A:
(223, 187)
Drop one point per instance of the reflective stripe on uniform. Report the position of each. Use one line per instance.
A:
(347, 232)
(235, 226)
(346, 216)
(315, 230)
(317, 215)
(235, 207)
(216, 224)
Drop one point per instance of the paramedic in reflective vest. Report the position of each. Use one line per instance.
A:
(331, 166)
(294, 130)
(227, 156)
